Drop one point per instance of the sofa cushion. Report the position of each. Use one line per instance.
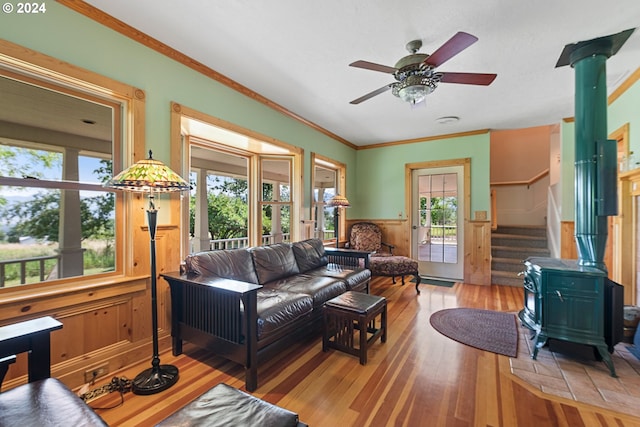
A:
(320, 288)
(355, 279)
(278, 308)
(309, 254)
(235, 264)
(274, 262)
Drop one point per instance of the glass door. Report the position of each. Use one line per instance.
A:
(437, 220)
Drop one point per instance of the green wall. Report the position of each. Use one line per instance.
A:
(625, 109)
(375, 176)
(380, 179)
(73, 38)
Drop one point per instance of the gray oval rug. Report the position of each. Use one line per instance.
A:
(493, 331)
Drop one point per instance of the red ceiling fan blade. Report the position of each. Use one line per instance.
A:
(456, 44)
(372, 66)
(468, 78)
(372, 94)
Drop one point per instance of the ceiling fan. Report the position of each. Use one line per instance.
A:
(416, 74)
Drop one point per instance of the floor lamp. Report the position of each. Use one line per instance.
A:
(337, 202)
(151, 176)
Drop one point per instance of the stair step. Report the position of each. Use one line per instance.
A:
(507, 264)
(510, 246)
(500, 239)
(519, 253)
(506, 278)
(529, 230)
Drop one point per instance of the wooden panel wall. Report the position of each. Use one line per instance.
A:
(477, 258)
(477, 253)
(109, 325)
(568, 249)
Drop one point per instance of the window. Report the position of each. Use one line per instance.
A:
(243, 188)
(276, 200)
(60, 139)
(219, 202)
(328, 180)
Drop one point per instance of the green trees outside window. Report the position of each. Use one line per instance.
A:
(30, 217)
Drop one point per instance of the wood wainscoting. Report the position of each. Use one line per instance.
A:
(106, 322)
(477, 250)
(394, 232)
(619, 256)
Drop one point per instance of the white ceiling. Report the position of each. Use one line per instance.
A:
(297, 54)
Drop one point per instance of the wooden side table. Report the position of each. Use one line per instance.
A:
(351, 312)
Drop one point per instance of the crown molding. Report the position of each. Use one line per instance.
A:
(126, 30)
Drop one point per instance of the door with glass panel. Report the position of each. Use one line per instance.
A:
(437, 221)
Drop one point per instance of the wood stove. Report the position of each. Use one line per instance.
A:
(573, 300)
(569, 302)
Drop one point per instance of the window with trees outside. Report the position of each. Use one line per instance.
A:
(243, 192)
(57, 145)
(328, 180)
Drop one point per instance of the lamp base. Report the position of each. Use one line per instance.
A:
(155, 379)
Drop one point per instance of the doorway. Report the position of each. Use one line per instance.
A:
(438, 221)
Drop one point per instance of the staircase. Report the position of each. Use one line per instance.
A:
(510, 245)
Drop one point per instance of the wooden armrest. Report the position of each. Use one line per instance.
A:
(347, 257)
(32, 336)
(224, 285)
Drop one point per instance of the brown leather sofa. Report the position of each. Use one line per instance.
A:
(248, 304)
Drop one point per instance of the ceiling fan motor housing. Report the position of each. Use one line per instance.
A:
(415, 78)
(413, 59)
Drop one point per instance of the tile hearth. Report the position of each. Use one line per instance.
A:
(586, 381)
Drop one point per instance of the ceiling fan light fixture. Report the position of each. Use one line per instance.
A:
(413, 94)
(414, 89)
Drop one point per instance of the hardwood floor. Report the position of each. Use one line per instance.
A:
(417, 378)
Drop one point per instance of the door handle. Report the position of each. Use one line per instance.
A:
(559, 295)
(415, 227)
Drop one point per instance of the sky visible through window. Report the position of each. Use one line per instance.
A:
(23, 165)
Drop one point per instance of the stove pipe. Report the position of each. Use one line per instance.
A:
(595, 156)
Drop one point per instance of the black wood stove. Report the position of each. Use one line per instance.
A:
(569, 302)
(573, 300)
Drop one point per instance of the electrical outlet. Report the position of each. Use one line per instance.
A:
(96, 372)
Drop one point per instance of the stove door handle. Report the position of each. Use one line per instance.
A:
(559, 295)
